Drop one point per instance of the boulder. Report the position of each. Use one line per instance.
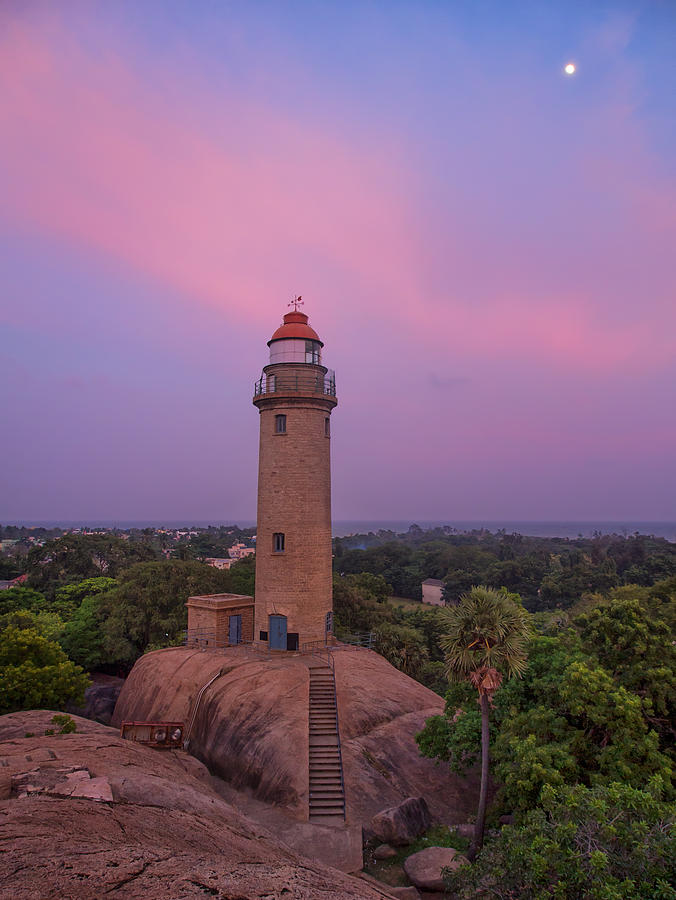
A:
(251, 728)
(384, 851)
(92, 815)
(100, 699)
(402, 824)
(424, 868)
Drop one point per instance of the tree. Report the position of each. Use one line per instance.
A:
(606, 843)
(82, 637)
(75, 557)
(148, 605)
(356, 607)
(635, 646)
(48, 624)
(19, 597)
(35, 673)
(485, 639)
(69, 597)
(403, 647)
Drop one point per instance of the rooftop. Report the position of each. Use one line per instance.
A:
(295, 326)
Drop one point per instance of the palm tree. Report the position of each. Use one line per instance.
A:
(485, 639)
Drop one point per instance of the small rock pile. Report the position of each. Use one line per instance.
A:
(399, 826)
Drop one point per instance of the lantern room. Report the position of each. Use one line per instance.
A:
(295, 342)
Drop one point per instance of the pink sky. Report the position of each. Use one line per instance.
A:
(485, 247)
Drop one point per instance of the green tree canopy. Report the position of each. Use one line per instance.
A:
(148, 605)
(75, 557)
(20, 597)
(636, 646)
(35, 673)
(68, 598)
(604, 843)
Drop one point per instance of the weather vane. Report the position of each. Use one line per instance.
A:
(296, 302)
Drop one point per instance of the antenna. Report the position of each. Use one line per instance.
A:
(296, 302)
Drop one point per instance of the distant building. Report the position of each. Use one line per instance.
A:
(13, 582)
(239, 551)
(431, 592)
(218, 562)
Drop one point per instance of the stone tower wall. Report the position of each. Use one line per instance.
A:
(294, 498)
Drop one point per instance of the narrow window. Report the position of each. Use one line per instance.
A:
(329, 622)
(271, 384)
(280, 424)
(263, 635)
(278, 542)
(312, 352)
(327, 427)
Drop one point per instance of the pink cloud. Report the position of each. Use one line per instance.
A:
(235, 205)
(210, 208)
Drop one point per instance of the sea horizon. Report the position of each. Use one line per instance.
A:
(572, 528)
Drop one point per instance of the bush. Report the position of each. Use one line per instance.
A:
(605, 843)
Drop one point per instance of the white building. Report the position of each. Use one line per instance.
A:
(431, 592)
(218, 562)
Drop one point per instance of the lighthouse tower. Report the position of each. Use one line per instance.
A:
(295, 396)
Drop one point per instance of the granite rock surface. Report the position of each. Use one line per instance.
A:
(151, 827)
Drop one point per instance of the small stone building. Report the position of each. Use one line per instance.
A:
(220, 619)
(431, 592)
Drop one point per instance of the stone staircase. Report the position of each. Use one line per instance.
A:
(327, 793)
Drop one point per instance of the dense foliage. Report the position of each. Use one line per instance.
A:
(35, 673)
(547, 573)
(105, 600)
(593, 712)
(603, 843)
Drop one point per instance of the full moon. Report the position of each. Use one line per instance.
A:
(570, 68)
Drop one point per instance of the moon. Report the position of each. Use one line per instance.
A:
(570, 68)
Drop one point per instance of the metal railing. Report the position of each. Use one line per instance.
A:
(358, 639)
(295, 384)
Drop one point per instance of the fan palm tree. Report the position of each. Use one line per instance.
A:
(485, 640)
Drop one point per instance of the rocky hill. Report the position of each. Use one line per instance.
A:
(88, 815)
(251, 727)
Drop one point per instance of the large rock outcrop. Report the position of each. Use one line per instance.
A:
(251, 727)
(425, 868)
(252, 723)
(147, 825)
(401, 825)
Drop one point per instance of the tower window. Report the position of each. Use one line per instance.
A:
(280, 424)
(278, 542)
(329, 622)
(327, 426)
(312, 352)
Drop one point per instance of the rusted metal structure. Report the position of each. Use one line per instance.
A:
(154, 734)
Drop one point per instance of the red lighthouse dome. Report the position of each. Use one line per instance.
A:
(295, 327)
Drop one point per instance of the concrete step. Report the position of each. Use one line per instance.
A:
(327, 796)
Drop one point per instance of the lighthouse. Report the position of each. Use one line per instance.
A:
(295, 396)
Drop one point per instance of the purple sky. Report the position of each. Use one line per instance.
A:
(485, 245)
